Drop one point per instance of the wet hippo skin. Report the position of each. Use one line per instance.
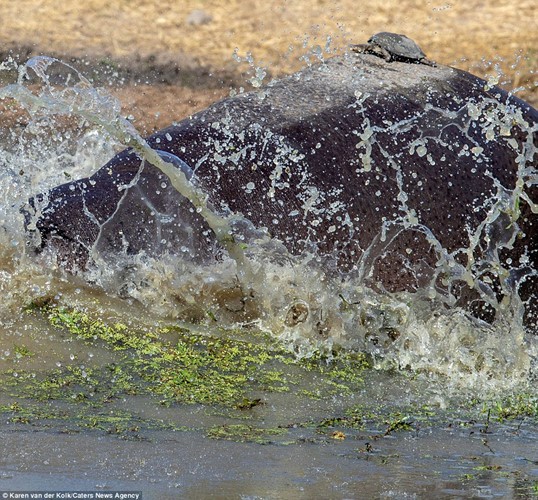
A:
(377, 166)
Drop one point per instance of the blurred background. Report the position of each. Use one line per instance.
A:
(165, 59)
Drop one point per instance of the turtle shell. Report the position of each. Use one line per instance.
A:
(398, 45)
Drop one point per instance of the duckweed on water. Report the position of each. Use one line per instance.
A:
(171, 365)
(245, 433)
(183, 367)
(121, 423)
(514, 407)
(21, 351)
(231, 377)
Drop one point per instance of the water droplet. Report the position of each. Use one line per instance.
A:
(421, 151)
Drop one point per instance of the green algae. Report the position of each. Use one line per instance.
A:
(123, 424)
(246, 433)
(182, 367)
(384, 420)
(233, 374)
(514, 407)
(21, 351)
(173, 366)
(70, 383)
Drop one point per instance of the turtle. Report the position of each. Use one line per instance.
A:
(393, 47)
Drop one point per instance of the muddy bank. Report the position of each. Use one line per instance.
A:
(165, 60)
(155, 91)
(276, 33)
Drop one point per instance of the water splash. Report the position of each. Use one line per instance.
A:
(295, 297)
(79, 98)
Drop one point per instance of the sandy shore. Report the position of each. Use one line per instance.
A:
(176, 57)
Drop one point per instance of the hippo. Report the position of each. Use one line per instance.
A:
(399, 173)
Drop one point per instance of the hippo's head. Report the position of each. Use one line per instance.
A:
(127, 209)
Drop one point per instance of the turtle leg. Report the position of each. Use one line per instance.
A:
(361, 48)
(428, 62)
(375, 50)
(383, 53)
